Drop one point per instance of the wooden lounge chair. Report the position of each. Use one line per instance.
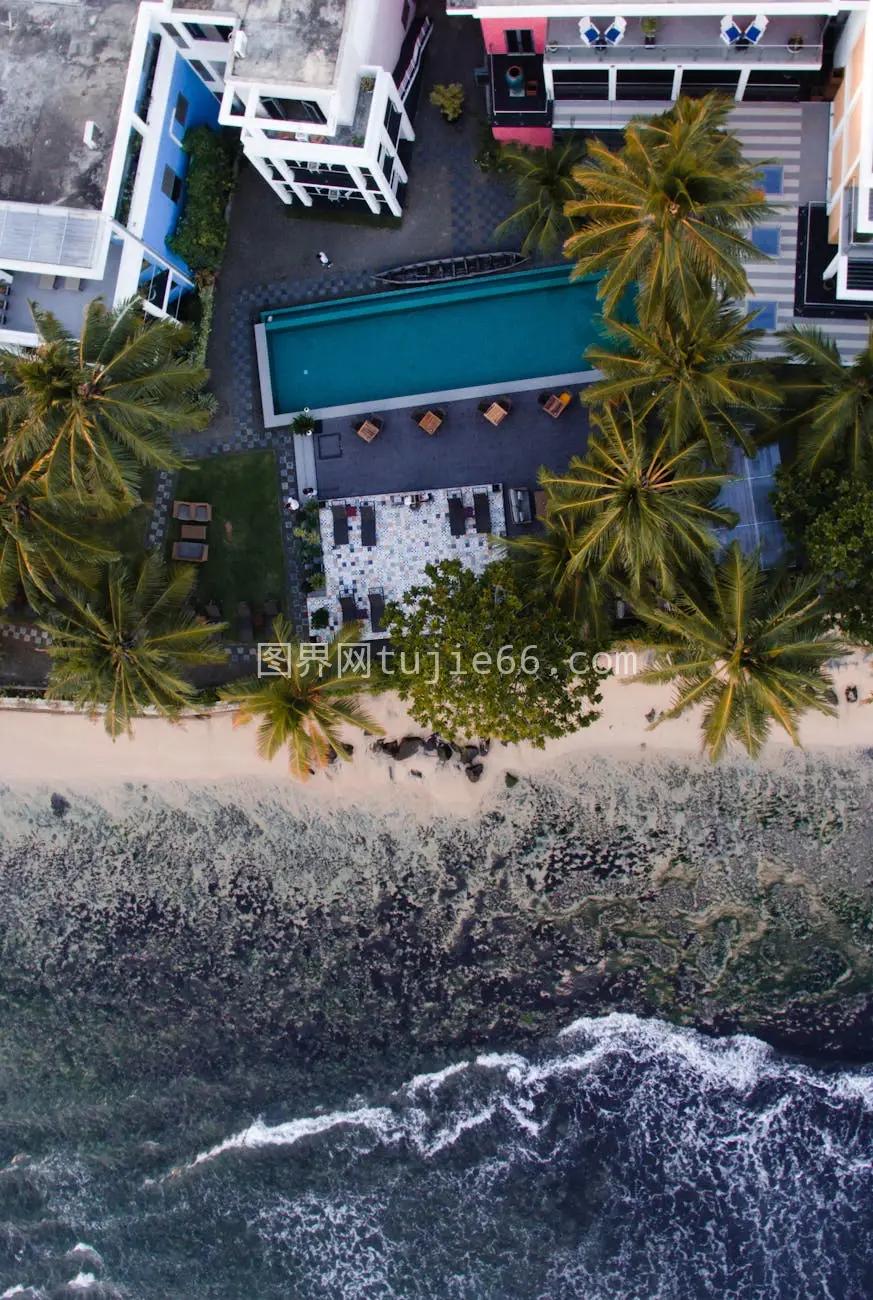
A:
(554, 404)
(368, 526)
(193, 532)
(192, 512)
(457, 518)
(340, 526)
(191, 552)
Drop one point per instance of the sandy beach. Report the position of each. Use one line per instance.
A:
(45, 747)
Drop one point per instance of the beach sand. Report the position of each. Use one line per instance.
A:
(55, 748)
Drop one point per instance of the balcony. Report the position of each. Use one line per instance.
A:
(518, 90)
(689, 41)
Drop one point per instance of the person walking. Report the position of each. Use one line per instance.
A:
(323, 258)
(291, 503)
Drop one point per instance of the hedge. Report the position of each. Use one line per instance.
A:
(201, 232)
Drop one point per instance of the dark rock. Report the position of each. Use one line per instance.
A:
(474, 771)
(469, 754)
(431, 744)
(413, 771)
(510, 780)
(408, 746)
(444, 751)
(60, 805)
(484, 747)
(389, 746)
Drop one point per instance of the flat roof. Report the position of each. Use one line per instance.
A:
(60, 66)
(290, 41)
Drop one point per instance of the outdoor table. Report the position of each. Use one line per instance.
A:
(367, 430)
(555, 405)
(430, 422)
(495, 413)
(193, 532)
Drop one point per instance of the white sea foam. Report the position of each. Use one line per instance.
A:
(430, 1082)
(258, 1134)
(82, 1281)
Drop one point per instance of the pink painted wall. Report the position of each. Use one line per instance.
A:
(537, 136)
(493, 29)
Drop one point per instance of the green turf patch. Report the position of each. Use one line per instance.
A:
(245, 541)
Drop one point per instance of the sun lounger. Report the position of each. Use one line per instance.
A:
(482, 508)
(457, 519)
(192, 512)
(349, 608)
(340, 526)
(191, 552)
(193, 532)
(377, 611)
(368, 526)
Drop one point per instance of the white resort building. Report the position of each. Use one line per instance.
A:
(96, 103)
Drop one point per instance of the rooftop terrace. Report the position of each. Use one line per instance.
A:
(295, 41)
(61, 65)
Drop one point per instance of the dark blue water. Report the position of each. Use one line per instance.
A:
(626, 1159)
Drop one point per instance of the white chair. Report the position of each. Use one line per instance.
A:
(588, 32)
(756, 29)
(730, 33)
(615, 31)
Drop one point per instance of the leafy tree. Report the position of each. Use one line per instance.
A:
(698, 377)
(544, 184)
(44, 541)
(668, 211)
(830, 519)
(305, 710)
(201, 234)
(641, 510)
(830, 405)
(88, 413)
(126, 644)
(748, 648)
(474, 657)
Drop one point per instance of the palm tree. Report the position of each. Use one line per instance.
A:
(90, 412)
(543, 182)
(125, 645)
(830, 403)
(305, 709)
(641, 510)
(667, 212)
(44, 542)
(748, 648)
(699, 378)
(544, 562)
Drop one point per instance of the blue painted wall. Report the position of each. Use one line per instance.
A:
(162, 213)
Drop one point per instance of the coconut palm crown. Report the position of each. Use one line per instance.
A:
(544, 184)
(832, 402)
(698, 379)
(44, 542)
(304, 709)
(89, 412)
(668, 211)
(748, 648)
(127, 644)
(641, 509)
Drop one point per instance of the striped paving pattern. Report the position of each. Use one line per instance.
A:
(773, 133)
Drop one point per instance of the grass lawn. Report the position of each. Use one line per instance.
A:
(245, 540)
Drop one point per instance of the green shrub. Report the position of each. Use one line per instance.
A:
(201, 233)
(320, 618)
(449, 99)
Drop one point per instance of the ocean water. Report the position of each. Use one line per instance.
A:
(254, 1048)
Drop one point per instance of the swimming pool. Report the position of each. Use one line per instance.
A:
(351, 353)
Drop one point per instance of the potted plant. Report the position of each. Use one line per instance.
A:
(449, 100)
(304, 424)
(795, 42)
(368, 85)
(650, 30)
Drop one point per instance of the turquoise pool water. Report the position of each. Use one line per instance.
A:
(479, 332)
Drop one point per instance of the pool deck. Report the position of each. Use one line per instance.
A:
(466, 448)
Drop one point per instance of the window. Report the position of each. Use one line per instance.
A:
(201, 69)
(771, 179)
(767, 239)
(644, 83)
(572, 83)
(171, 185)
(175, 35)
(180, 112)
(237, 107)
(292, 110)
(766, 314)
(520, 41)
(195, 31)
